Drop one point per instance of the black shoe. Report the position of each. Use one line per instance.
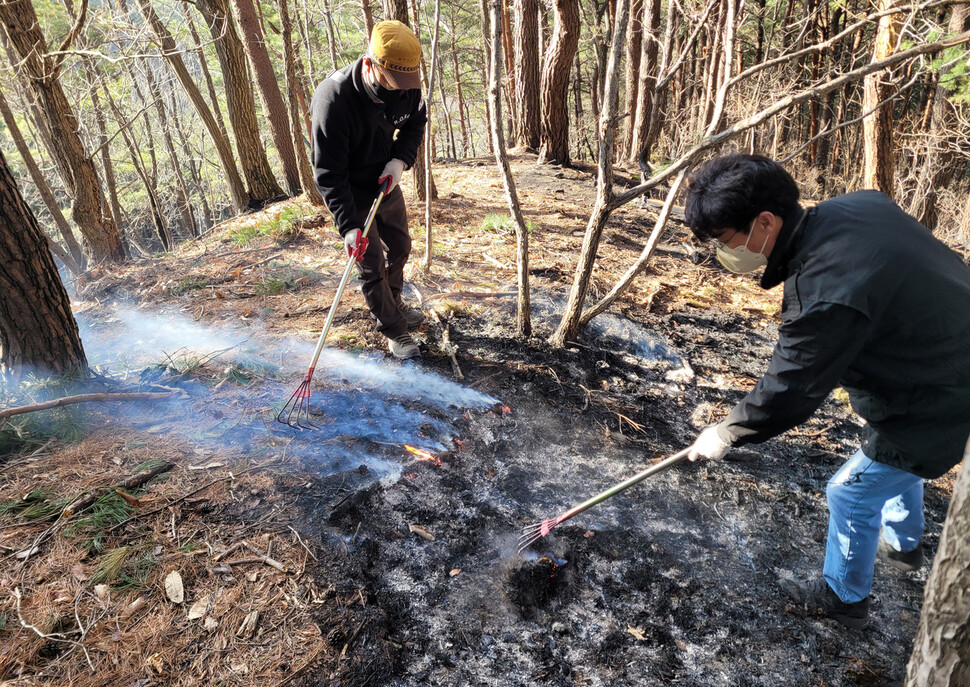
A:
(403, 346)
(907, 561)
(414, 318)
(817, 594)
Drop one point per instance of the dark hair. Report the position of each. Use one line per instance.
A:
(729, 191)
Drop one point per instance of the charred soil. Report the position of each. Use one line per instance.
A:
(394, 570)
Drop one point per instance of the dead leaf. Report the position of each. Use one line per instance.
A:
(173, 587)
(210, 624)
(421, 532)
(681, 645)
(589, 533)
(208, 466)
(133, 607)
(455, 571)
(199, 608)
(157, 663)
(636, 632)
(133, 501)
(102, 591)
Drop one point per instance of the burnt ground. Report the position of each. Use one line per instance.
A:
(404, 572)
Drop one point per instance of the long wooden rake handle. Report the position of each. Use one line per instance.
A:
(383, 188)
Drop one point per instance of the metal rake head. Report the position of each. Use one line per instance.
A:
(534, 532)
(296, 412)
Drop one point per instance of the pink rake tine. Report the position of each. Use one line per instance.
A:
(536, 531)
(299, 403)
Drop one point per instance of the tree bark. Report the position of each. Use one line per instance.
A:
(526, 37)
(462, 112)
(643, 115)
(523, 311)
(269, 90)
(43, 188)
(292, 89)
(634, 48)
(237, 191)
(255, 166)
(555, 82)
(39, 72)
(569, 325)
(878, 127)
(942, 645)
(38, 332)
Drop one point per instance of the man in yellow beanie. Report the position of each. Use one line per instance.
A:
(368, 121)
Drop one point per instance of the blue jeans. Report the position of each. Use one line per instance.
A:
(862, 496)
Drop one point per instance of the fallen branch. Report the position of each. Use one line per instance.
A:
(87, 398)
(132, 482)
(449, 348)
(471, 294)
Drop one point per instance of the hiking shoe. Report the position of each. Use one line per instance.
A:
(414, 318)
(907, 561)
(403, 346)
(818, 595)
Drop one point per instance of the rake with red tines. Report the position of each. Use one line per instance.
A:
(533, 533)
(296, 412)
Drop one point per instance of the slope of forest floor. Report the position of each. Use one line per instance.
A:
(261, 555)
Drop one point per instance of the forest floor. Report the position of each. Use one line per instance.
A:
(263, 555)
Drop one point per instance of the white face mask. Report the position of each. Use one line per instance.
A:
(742, 259)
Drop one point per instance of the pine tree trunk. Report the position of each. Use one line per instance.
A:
(38, 333)
(939, 657)
(38, 71)
(462, 112)
(523, 314)
(555, 82)
(526, 38)
(43, 188)
(644, 113)
(269, 91)
(237, 191)
(878, 127)
(299, 147)
(206, 74)
(634, 47)
(239, 100)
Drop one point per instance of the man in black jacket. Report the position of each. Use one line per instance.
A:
(368, 121)
(872, 301)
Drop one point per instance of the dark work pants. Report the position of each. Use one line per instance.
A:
(382, 276)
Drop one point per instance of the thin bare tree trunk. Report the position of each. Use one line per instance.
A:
(184, 198)
(429, 195)
(368, 16)
(206, 74)
(523, 312)
(462, 118)
(634, 49)
(569, 325)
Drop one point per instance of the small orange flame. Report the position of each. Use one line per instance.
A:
(423, 455)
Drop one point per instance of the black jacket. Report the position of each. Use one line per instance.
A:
(872, 301)
(354, 137)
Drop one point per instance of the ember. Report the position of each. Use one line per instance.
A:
(423, 455)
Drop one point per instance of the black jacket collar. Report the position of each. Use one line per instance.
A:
(776, 271)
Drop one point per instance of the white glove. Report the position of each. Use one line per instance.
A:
(393, 169)
(356, 244)
(710, 445)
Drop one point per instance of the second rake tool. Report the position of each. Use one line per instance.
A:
(533, 533)
(296, 412)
